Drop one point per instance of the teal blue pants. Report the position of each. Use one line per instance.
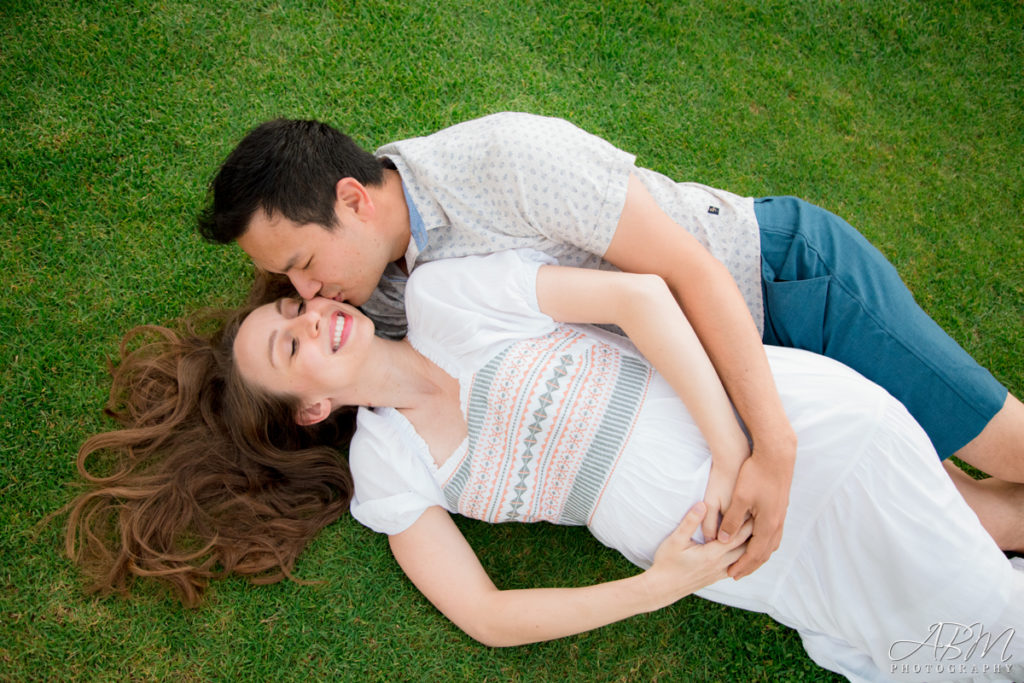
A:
(827, 290)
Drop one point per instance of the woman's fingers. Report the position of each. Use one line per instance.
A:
(709, 527)
(697, 565)
(732, 555)
(691, 520)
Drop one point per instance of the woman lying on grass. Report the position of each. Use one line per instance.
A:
(499, 407)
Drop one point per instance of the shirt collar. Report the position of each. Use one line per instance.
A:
(416, 227)
(425, 214)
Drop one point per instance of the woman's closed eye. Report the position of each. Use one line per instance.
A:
(293, 308)
(300, 308)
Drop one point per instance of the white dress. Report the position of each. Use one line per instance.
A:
(883, 569)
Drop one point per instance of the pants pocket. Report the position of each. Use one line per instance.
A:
(795, 313)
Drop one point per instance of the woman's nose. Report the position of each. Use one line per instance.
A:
(308, 323)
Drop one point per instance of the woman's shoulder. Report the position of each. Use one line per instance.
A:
(484, 282)
(463, 307)
(377, 429)
(393, 485)
(386, 451)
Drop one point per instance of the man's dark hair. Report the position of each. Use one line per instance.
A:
(287, 167)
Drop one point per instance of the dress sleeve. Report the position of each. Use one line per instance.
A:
(393, 485)
(470, 307)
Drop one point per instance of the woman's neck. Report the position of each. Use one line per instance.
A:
(401, 377)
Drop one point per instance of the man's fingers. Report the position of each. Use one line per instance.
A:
(758, 550)
(742, 536)
(746, 564)
(734, 518)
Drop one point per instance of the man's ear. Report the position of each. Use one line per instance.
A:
(312, 413)
(352, 194)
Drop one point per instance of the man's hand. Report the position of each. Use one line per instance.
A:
(761, 493)
(647, 240)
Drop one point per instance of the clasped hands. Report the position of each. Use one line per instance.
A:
(750, 498)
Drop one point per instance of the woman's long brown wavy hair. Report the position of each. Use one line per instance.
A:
(208, 477)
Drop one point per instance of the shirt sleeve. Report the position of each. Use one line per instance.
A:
(524, 176)
(570, 184)
(393, 485)
(469, 308)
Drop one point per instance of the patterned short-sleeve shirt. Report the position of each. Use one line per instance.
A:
(512, 180)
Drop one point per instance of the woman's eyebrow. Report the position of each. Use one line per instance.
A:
(273, 335)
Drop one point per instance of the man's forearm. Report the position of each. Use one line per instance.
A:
(720, 317)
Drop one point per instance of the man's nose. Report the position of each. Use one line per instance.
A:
(307, 287)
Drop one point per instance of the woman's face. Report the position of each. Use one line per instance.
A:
(309, 349)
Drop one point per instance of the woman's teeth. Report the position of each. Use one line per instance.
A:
(339, 330)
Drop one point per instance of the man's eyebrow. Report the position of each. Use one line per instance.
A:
(273, 271)
(291, 263)
(273, 335)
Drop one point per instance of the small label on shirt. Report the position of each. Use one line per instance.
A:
(713, 210)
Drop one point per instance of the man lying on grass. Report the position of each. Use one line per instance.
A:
(306, 202)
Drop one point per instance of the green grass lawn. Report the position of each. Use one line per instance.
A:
(905, 118)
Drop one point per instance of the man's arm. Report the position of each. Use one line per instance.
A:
(647, 240)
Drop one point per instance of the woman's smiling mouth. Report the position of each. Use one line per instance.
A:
(339, 330)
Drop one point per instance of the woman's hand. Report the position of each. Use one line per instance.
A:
(436, 557)
(682, 566)
(718, 496)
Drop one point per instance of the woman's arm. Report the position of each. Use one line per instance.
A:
(441, 564)
(643, 306)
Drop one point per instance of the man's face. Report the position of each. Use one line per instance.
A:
(344, 264)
